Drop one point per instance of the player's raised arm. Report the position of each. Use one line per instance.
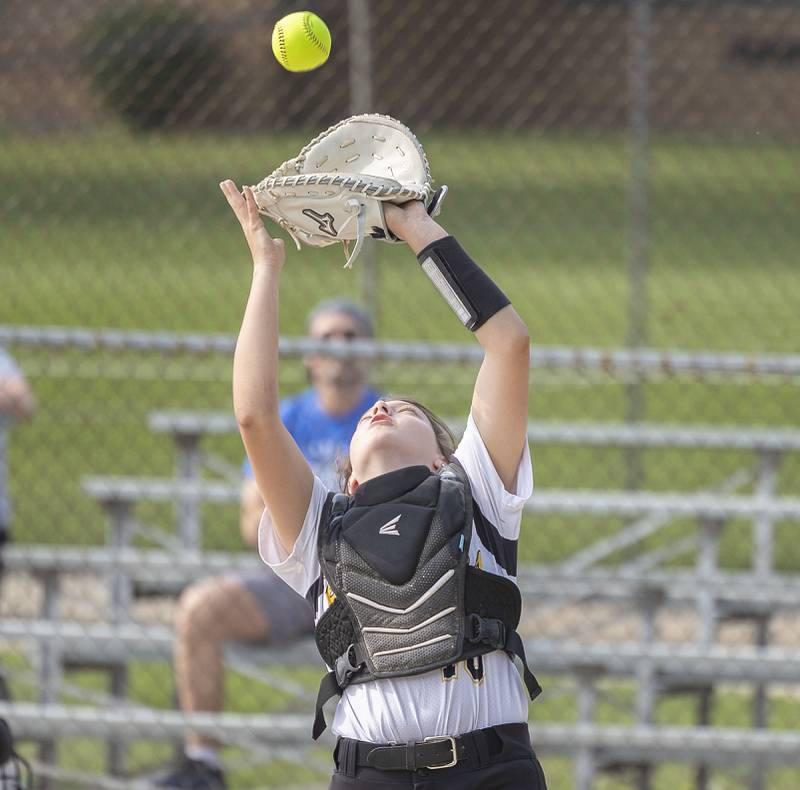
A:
(500, 399)
(283, 476)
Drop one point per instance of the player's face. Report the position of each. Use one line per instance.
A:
(329, 370)
(396, 428)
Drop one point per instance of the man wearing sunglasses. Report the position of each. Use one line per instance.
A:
(259, 607)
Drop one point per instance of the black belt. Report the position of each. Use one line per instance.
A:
(435, 752)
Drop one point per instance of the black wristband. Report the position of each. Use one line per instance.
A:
(465, 286)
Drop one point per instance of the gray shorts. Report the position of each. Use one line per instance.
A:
(290, 615)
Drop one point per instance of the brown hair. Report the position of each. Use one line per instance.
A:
(445, 440)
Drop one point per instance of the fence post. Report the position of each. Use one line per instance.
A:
(639, 29)
(360, 55)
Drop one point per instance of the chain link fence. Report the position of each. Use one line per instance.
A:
(626, 171)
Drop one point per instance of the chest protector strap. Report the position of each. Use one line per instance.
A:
(406, 601)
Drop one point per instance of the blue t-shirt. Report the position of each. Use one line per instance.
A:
(321, 438)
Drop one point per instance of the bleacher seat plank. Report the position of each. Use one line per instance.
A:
(689, 744)
(135, 640)
(539, 583)
(133, 721)
(676, 504)
(724, 437)
(543, 583)
(154, 489)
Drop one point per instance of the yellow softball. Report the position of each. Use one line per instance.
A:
(301, 41)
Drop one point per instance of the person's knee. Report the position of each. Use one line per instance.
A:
(196, 613)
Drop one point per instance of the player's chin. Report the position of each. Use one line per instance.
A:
(379, 437)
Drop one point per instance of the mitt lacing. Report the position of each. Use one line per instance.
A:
(351, 205)
(287, 227)
(354, 183)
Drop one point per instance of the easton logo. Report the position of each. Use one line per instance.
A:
(325, 221)
(390, 527)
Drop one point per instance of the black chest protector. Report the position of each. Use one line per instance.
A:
(396, 557)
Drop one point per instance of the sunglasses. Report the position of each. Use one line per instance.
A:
(347, 334)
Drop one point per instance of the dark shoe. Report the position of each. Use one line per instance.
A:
(192, 775)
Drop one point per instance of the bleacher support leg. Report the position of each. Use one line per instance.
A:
(116, 745)
(587, 702)
(649, 601)
(760, 704)
(119, 539)
(187, 510)
(50, 669)
(763, 564)
(121, 597)
(707, 565)
(764, 535)
(704, 703)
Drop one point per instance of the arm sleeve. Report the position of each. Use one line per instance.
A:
(503, 508)
(300, 568)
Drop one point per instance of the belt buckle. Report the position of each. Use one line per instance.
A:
(437, 739)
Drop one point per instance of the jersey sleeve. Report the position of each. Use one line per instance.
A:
(300, 568)
(503, 508)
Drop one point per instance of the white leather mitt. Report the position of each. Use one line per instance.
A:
(335, 188)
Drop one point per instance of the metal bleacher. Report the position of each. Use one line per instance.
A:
(645, 586)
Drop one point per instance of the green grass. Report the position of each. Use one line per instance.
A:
(113, 230)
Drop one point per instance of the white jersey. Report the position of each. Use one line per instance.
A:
(482, 692)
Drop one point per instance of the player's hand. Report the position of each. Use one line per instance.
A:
(264, 249)
(410, 222)
(399, 218)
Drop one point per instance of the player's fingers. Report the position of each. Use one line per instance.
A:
(234, 198)
(253, 217)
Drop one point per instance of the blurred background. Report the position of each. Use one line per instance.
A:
(626, 171)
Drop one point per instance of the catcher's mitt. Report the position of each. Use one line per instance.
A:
(334, 189)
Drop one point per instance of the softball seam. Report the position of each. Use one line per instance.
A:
(282, 45)
(312, 36)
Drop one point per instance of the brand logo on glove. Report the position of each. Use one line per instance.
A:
(325, 221)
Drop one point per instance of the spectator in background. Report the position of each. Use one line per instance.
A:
(260, 607)
(16, 403)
